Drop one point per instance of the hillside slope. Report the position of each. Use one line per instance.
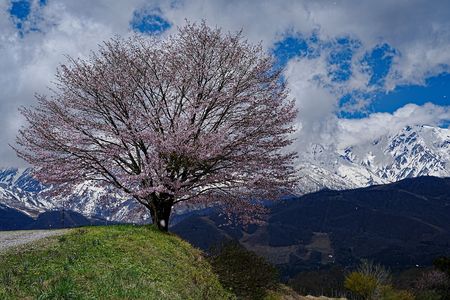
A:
(115, 262)
(400, 225)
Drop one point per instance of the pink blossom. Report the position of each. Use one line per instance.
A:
(201, 116)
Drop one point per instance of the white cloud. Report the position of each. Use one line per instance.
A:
(419, 30)
(29, 63)
(354, 131)
(262, 20)
(317, 105)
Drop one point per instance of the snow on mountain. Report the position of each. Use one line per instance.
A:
(412, 152)
(19, 190)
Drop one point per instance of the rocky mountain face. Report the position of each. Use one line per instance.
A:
(412, 152)
(20, 191)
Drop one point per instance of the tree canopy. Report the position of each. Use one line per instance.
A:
(199, 116)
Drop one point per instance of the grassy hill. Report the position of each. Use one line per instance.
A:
(114, 262)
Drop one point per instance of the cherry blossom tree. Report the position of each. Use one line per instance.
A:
(198, 117)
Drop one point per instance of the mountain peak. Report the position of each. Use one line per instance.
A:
(413, 151)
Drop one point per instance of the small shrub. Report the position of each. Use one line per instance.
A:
(442, 264)
(434, 284)
(387, 292)
(246, 274)
(432, 280)
(372, 281)
(368, 280)
(381, 275)
(361, 284)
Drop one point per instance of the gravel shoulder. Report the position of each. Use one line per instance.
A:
(9, 239)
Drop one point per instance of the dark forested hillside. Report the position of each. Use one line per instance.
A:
(399, 225)
(11, 219)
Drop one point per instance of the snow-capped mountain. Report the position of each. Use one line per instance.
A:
(412, 152)
(19, 190)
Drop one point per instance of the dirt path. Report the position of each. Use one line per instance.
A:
(10, 239)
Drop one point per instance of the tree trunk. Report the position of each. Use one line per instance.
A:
(160, 211)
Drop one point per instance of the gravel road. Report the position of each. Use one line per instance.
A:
(15, 238)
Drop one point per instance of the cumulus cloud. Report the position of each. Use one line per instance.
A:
(319, 95)
(29, 58)
(418, 30)
(316, 105)
(355, 131)
(417, 34)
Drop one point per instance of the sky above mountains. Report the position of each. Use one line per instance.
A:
(372, 66)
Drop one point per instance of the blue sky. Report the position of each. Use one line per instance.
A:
(435, 89)
(342, 59)
(149, 22)
(379, 59)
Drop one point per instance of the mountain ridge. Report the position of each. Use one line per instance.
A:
(413, 151)
(400, 225)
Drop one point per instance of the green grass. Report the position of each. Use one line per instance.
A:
(114, 262)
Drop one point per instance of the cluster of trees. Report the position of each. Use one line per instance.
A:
(435, 284)
(372, 281)
(246, 274)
